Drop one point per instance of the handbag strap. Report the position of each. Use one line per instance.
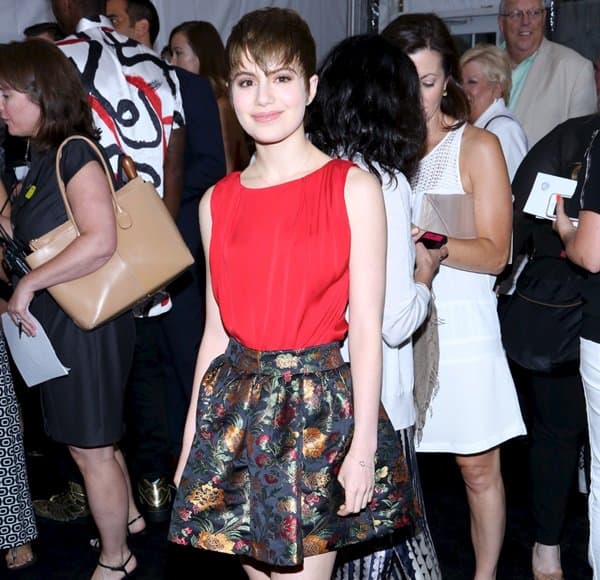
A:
(123, 218)
(494, 118)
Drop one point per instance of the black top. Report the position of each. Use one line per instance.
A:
(561, 153)
(45, 209)
(84, 408)
(588, 192)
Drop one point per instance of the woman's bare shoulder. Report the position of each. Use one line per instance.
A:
(479, 145)
(475, 137)
(204, 205)
(361, 180)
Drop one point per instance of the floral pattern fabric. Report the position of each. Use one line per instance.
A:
(261, 478)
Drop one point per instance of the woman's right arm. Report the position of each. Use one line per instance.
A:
(214, 339)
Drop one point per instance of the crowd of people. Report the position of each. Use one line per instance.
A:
(271, 402)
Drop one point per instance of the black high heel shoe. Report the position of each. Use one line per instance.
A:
(95, 542)
(121, 568)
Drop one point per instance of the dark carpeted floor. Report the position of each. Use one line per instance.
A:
(63, 551)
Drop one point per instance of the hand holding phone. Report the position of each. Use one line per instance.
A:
(433, 240)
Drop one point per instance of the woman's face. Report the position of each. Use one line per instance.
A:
(20, 114)
(270, 106)
(182, 54)
(480, 91)
(433, 80)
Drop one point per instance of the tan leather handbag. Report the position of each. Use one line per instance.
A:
(150, 252)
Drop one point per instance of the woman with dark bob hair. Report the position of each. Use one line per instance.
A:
(476, 407)
(367, 109)
(41, 98)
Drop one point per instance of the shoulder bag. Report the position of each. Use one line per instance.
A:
(541, 321)
(150, 252)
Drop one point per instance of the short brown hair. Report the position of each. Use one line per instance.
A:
(495, 63)
(40, 70)
(272, 33)
(414, 32)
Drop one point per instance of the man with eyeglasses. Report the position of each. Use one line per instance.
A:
(550, 82)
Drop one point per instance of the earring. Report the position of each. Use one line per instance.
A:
(445, 93)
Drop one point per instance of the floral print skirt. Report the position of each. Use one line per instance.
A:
(272, 429)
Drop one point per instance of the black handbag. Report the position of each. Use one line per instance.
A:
(541, 321)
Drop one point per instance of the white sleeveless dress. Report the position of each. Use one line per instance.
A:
(476, 407)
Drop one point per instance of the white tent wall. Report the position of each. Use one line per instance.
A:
(16, 15)
(329, 20)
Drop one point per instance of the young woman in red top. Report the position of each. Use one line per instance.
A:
(287, 455)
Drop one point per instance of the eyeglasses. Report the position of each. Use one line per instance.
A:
(533, 13)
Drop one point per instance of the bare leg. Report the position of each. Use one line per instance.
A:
(485, 494)
(315, 568)
(107, 496)
(137, 525)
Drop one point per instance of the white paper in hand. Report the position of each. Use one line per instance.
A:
(542, 200)
(34, 356)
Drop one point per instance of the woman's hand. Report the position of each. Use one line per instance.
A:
(18, 306)
(357, 477)
(427, 262)
(563, 225)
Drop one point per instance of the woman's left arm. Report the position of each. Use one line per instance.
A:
(89, 195)
(366, 214)
(582, 243)
(484, 173)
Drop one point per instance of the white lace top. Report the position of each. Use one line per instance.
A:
(439, 170)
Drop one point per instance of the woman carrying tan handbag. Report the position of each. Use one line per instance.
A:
(41, 98)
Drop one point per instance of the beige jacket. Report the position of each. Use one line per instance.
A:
(560, 85)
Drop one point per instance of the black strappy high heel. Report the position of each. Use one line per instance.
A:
(95, 542)
(121, 568)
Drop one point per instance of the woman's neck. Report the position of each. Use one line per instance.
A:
(437, 129)
(280, 162)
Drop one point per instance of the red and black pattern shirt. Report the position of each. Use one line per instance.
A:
(133, 93)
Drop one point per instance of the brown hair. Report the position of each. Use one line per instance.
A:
(40, 70)
(414, 32)
(272, 33)
(205, 41)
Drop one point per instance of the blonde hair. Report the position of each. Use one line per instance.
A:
(495, 63)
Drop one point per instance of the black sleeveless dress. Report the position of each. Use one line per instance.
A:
(84, 408)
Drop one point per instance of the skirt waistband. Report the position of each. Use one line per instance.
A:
(277, 362)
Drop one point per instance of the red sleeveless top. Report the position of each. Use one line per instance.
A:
(279, 259)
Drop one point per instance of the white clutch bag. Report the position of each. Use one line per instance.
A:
(450, 214)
